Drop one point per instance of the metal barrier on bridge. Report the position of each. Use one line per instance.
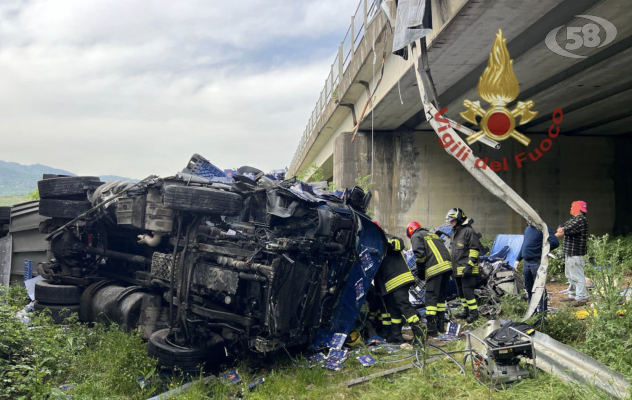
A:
(360, 20)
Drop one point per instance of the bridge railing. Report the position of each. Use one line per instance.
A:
(364, 13)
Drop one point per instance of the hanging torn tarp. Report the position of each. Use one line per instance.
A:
(414, 21)
(485, 176)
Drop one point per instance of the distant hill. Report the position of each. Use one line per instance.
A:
(106, 178)
(18, 179)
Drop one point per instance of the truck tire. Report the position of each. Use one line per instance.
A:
(5, 214)
(186, 359)
(67, 187)
(51, 293)
(58, 312)
(63, 208)
(202, 199)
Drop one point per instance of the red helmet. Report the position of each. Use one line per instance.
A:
(411, 228)
(377, 223)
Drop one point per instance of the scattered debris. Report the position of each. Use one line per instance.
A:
(231, 376)
(175, 392)
(256, 383)
(381, 374)
(366, 360)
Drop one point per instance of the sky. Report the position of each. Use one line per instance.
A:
(135, 87)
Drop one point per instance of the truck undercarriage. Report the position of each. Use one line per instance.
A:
(205, 267)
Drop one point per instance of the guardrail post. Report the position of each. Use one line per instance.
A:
(366, 14)
(352, 35)
(332, 80)
(341, 63)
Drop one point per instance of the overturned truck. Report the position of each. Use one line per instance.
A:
(206, 266)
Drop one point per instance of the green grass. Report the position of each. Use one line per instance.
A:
(440, 380)
(103, 362)
(12, 199)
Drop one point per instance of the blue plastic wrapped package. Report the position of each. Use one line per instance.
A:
(333, 365)
(200, 166)
(375, 340)
(338, 355)
(231, 376)
(337, 340)
(366, 360)
(256, 383)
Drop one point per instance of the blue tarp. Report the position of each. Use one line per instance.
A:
(513, 241)
(371, 249)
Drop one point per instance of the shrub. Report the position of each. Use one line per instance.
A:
(556, 265)
(36, 358)
(565, 327)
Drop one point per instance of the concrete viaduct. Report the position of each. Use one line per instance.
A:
(415, 179)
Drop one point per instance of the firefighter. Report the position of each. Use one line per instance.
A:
(394, 280)
(465, 249)
(434, 265)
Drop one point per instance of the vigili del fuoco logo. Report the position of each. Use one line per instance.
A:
(498, 86)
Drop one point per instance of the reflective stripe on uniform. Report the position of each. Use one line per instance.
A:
(396, 321)
(441, 307)
(395, 243)
(459, 270)
(435, 251)
(471, 304)
(399, 280)
(413, 319)
(473, 253)
(431, 310)
(437, 269)
(464, 301)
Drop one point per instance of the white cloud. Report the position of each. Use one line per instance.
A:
(135, 87)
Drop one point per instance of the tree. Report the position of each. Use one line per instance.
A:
(34, 195)
(313, 173)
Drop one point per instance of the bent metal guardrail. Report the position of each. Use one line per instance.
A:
(360, 20)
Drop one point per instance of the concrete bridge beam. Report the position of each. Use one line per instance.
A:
(416, 180)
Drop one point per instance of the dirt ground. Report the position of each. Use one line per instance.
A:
(553, 289)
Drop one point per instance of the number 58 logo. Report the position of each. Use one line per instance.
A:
(582, 36)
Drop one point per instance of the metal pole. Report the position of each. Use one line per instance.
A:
(341, 63)
(366, 15)
(352, 34)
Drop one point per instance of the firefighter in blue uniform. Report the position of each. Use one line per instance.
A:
(434, 265)
(394, 280)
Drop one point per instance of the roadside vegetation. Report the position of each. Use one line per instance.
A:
(40, 360)
(11, 199)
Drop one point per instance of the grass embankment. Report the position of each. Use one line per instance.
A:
(105, 363)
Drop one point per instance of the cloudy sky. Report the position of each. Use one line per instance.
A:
(135, 87)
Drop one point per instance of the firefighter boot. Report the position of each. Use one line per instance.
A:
(395, 334)
(441, 322)
(463, 314)
(472, 317)
(419, 332)
(431, 326)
